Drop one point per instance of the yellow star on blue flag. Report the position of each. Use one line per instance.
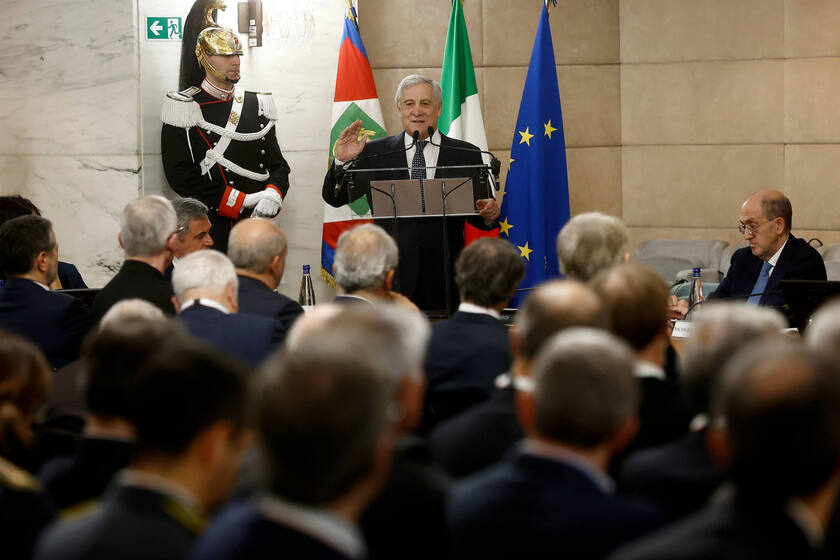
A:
(537, 197)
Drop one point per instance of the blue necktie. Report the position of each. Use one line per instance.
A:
(418, 170)
(760, 284)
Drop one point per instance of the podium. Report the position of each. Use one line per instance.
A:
(405, 206)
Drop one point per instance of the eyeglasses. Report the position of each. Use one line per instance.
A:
(751, 229)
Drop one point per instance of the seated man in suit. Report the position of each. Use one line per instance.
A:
(774, 253)
(207, 301)
(126, 340)
(365, 264)
(419, 104)
(56, 323)
(636, 301)
(680, 476)
(775, 430)
(552, 496)
(68, 277)
(471, 349)
(257, 248)
(322, 413)
(482, 435)
(187, 407)
(193, 231)
(147, 228)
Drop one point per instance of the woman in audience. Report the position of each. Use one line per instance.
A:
(24, 380)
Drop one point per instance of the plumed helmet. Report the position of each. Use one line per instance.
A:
(204, 37)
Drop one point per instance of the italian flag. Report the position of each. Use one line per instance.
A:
(461, 114)
(461, 117)
(355, 99)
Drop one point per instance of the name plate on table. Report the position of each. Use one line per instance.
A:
(682, 329)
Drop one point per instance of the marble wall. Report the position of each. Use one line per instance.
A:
(68, 108)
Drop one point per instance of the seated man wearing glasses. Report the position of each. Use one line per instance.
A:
(774, 254)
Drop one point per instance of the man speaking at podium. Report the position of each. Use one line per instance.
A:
(418, 103)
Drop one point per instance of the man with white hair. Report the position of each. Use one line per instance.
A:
(206, 298)
(365, 264)
(257, 247)
(147, 228)
(591, 242)
(418, 102)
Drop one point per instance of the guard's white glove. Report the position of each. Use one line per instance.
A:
(271, 201)
(267, 208)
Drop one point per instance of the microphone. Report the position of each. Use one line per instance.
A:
(357, 159)
(495, 164)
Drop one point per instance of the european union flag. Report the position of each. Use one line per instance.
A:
(536, 200)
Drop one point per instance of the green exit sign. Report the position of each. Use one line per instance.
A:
(164, 28)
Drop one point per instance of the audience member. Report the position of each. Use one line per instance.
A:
(147, 227)
(68, 277)
(257, 248)
(207, 301)
(24, 379)
(823, 332)
(774, 253)
(468, 351)
(591, 242)
(112, 361)
(636, 300)
(776, 430)
(56, 323)
(553, 495)
(480, 436)
(193, 230)
(365, 266)
(322, 414)
(680, 476)
(186, 405)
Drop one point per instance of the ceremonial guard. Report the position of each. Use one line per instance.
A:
(218, 141)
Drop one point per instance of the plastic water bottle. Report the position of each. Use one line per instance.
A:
(696, 295)
(306, 298)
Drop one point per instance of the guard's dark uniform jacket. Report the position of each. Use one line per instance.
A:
(184, 145)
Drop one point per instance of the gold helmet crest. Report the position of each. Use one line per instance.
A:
(215, 40)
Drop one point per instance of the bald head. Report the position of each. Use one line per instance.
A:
(257, 245)
(766, 218)
(771, 204)
(553, 307)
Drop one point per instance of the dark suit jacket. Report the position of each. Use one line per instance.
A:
(24, 511)
(248, 337)
(257, 299)
(69, 276)
(135, 280)
(534, 507)
(133, 523)
(679, 476)
(465, 355)
(419, 240)
(84, 476)
(730, 530)
(56, 323)
(798, 261)
(411, 504)
(478, 437)
(241, 531)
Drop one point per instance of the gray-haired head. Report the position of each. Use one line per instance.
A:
(555, 306)
(416, 79)
(363, 257)
(487, 272)
(127, 309)
(146, 224)
(320, 408)
(824, 331)
(584, 387)
(779, 405)
(253, 244)
(186, 210)
(203, 270)
(721, 329)
(589, 243)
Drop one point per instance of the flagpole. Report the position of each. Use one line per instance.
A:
(548, 7)
(351, 12)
